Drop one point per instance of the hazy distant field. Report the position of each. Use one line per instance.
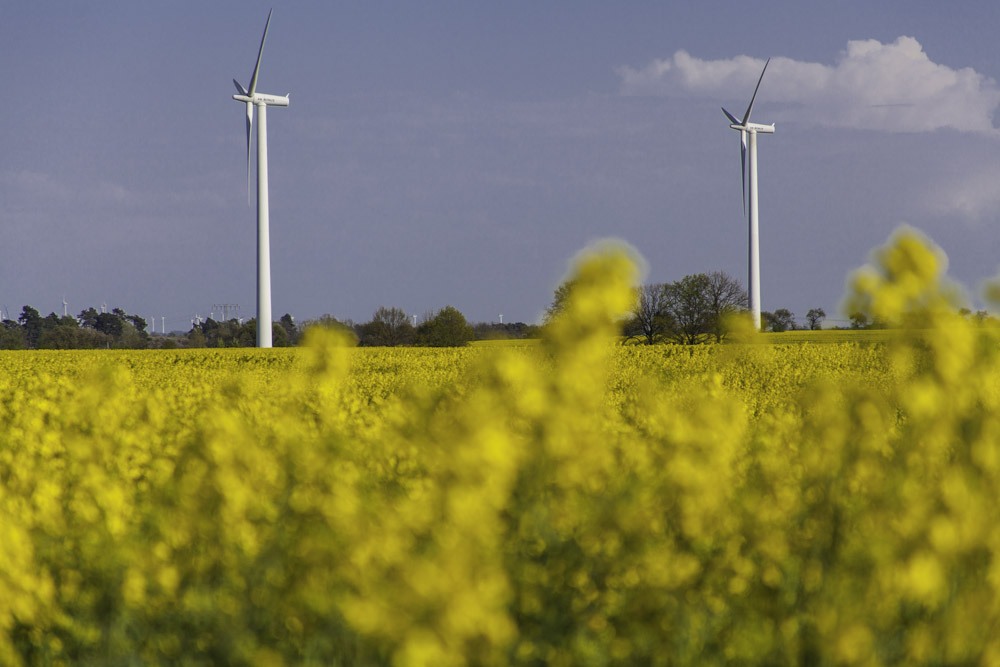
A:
(786, 337)
(830, 336)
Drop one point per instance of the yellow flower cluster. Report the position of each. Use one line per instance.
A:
(576, 503)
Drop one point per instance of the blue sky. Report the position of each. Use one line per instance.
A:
(459, 153)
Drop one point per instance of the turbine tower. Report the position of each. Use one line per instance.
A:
(252, 99)
(746, 128)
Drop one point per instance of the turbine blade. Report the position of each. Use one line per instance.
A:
(239, 88)
(256, 68)
(731, 117)
(750, 108)
(743, 168)
(249, 133)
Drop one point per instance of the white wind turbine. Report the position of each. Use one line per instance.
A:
(252, 99)
(745, 128)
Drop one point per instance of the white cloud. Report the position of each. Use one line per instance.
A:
(873, 86)
(114, 193)
(34, 183)
(973, 195)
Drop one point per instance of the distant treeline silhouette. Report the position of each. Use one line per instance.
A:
(116, 329)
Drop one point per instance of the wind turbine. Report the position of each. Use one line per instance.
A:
(745, 128)
(65, 303)
(252, 99)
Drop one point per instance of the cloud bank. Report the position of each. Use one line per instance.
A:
(873, 86)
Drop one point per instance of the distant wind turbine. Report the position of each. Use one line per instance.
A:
(745, 128)
(252, 99)
(65, 303)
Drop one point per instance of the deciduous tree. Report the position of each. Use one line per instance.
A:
(781, 320)
(558, 301)
(109, 324)
(688, 306)
(31, 325)
(88, 317)
(12, 336)
(726, 297)
(287, 323)
(388, 327)
(447, 328)
(650, 319)
(815, 317)
(330, 322)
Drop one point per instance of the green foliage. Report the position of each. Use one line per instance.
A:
(558, 301)
(32, 325)
(291, 331)
(12, 336)
(689, 308)
(331, 323)
(246, 334)
(815, 317)
(115, 329)
(447, 328)
(388, 327)
(696, 309)
(279, 336)
(59, 338)
(779, 321)
(508, 331)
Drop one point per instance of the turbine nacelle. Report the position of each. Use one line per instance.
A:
(261, 98)
(754, 127)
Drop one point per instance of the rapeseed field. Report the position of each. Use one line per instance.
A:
(571, 503)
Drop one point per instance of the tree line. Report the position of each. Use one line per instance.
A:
(388, 327)
(116, 329)
(447, 327)
(694, 309)
(90, 330)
